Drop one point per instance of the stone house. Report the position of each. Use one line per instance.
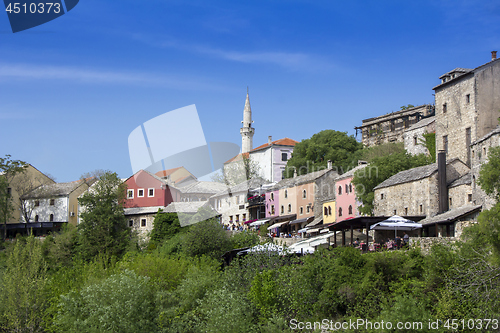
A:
(467, 107)
(55, 205)
(415, 192)
(390, 127)
(413, 137)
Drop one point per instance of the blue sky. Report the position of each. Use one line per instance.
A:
(73, 89)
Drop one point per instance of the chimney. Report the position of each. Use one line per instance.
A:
(442, 188)
(269, 140)
(330, 165)
(493, 55)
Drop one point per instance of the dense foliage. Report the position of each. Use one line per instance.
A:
(313, 154)
(385, 161)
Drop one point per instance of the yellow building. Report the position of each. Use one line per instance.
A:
(329, 212)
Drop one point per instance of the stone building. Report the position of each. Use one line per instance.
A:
(467, 107)
(415, 192)
(413, 137)
(390, 127)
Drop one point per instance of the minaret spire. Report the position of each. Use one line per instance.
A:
(246, 130)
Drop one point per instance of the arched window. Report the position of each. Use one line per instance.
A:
(340, 190)
(329, 210)
(289, 208)
(36, 218)
(301, 210)
(51, 218)
(473, 182)
(282, 209)
(304, 194)
(346, 188)
(326, 211)
(272, 196)
(350, 188)
(350, 210)
(286, 193)
(340, 211)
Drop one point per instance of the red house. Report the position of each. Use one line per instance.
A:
(145, 189)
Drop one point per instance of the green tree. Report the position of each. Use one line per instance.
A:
(489, 175)
(103, 228)
(207, 238)
(313, 154)
(429, 141)
(121, 303)
(22, 297)
(8, 170)
(380, 169)
(242, 168)
(406, 107)
(165, 226)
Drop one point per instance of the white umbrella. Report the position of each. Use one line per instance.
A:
(396, 222)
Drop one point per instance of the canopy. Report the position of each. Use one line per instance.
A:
(277, 225)
(259, 222)
(396, 223)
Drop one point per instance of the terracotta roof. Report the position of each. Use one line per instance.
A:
(280, 142)
(165, 173)
(237, 157)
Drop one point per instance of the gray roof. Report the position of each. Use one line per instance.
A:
(299, 180)
(351, 172)
(244, 186)
(409, 175)
(185, 207)
(457, 70)
(54, 190)
(422, 123)
(451, 215)
(464, 180)
(487, 136)
(142, 210)
(204, 187)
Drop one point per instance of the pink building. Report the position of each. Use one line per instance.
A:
(145, 189)
(346, 202)
(272, 203)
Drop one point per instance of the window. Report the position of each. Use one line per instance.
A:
(231, 218)
(272, 209)
(143, 222)
(451, 202)
(326, 211)
(445, 108)
(340, 211)
(350, 188)
(244, 217)
(301, 210)
(406, 211)
(421, 208)
(329, 210)
(340, 190)
(289, 208)
(9, 191)
(52, 202)
(469, 197)
(473, 182)
(346, 188)
(284, 156)
(350, 210)
(308, 209)
(36, 218)
(304, 194)
(282, 173)
(51, 218)
(286, 193)
(282, 209)
(237, 217)
(131, 223)
(37, 203)
(484, 152)
(140, 193)
(272, 196)
(445, 143)
(467, 98)
(415, 140)
(151, 192)
(395, 212)
(130, 194)
(381, 196)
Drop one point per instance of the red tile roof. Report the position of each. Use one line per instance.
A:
(280, 142)
(237, 157)
(165, 173)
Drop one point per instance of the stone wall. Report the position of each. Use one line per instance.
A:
(458, 196)
(412, 198)
(413, 138)
(455, 113)
(425, 243)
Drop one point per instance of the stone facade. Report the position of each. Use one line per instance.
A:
(467, 108)
(414, 136)
(414, 192)
(390, 127)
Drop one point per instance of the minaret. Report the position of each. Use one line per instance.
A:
(247, 131)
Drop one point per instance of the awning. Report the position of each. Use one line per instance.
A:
(301, 231)
(315, 222)
(277, 225)
(305, 219)
(259, 222)
(310, 231)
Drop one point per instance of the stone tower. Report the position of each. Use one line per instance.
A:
(247, 131)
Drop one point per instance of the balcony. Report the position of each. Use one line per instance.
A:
(256, 200)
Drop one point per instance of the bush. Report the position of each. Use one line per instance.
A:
(206, 238)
